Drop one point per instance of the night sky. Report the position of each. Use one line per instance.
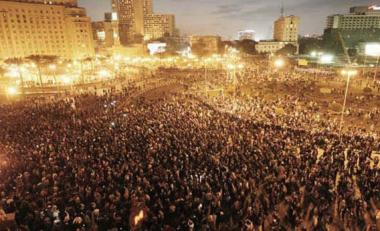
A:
(226, 17)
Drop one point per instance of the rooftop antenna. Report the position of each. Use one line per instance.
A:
(282, 9)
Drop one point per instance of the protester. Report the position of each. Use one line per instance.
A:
(183, 163)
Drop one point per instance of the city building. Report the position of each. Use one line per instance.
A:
(103, 34)
(358, 18)
(137, 21)
(130, 16)
(270, 47)
(158, 26)
(347, 31)
(205, 44)
(246, 35)
(112, 17)
(33, 27)
(286, 29)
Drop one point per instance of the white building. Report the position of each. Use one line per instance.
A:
(246, 35)
(362, 17)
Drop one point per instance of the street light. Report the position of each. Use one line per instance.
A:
(348, 73)
(232, 72)
(373, 49)
(53, 68)
(326, 59)
(11, 91)
(279, 63)
(104, 73)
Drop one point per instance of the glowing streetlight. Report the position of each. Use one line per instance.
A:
(230, 66)
(53, 67)
(104, 73)
(373, 49)
(12, 91)
(348, 73)
(326, 59)
(279, 63)
(67, 80)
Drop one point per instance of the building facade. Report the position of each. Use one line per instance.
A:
(348, 31)
(270, 47)
(158, 26)
(205, 44)
(286, 29)
(131, 16)
(358, 18)
(35, 28)
(137, 21)
(103, 34)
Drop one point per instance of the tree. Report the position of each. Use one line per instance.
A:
(288, 49)
(42, 61)
(308, 45)
(198, 49)
(247, 46)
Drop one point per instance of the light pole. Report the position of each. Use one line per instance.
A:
(205, 75)
(376, 69)
(348, 73)
(232, 69)
(53, 68)
(279, 63)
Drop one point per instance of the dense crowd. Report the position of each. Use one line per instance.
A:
(180, 163)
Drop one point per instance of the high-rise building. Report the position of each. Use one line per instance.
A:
(131, 15)
(38, 27)
(148, 7)
(286, 29)
(111, 17)
(103, 34)
(285, 33)
(359, 26)
(359, 18)
(137, 21)
(158, 26)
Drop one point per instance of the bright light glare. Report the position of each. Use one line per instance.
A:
(52, 67)
(13, 72)
(279, 63)
(326, 59)
(372, 49)
(349, 72)
(231, 66)
(66, 80)
(104, 73)
(12, 91)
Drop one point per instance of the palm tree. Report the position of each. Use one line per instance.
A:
(18, 62)
(42, 61)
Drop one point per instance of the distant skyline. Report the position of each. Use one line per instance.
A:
(227, 17)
